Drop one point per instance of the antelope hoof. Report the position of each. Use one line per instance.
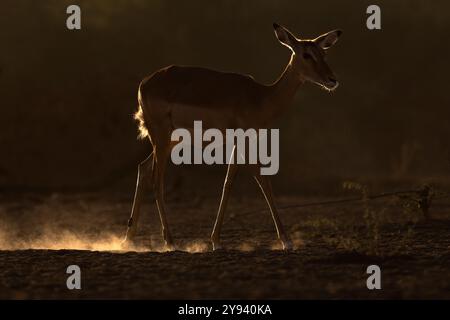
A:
(216, 245)
(287, 245)
(126, 244)
(169, 246)
(168, 242)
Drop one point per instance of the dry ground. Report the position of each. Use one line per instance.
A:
(41, 235)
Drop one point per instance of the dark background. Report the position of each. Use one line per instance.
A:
(67, 97)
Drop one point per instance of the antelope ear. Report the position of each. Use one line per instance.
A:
(327, 40)
(285, 37)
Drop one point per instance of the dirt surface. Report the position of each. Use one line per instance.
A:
(41, 235)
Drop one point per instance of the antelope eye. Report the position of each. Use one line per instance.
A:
(307, 56)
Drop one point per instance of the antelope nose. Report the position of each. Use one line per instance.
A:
(332, 83)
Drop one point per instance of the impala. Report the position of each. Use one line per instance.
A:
(176, 96)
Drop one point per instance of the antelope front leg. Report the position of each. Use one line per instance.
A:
(231, 173)
(161, 162)
(143, 179)
(266, 188)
